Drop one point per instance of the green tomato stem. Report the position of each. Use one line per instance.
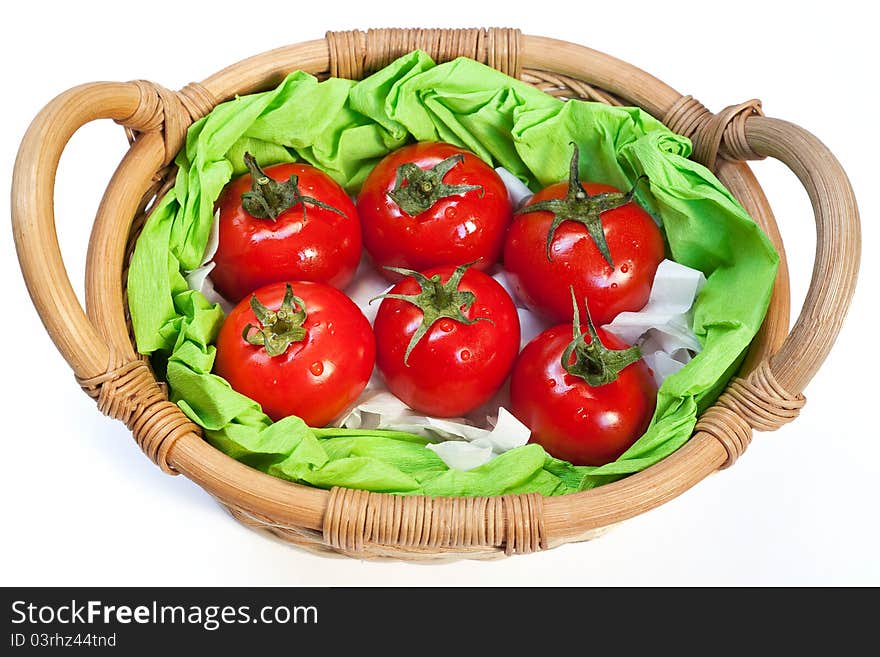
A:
(595, 363)
(581, 207)
(268, 198)
(436, 300)
(279, 328)
(424, 187)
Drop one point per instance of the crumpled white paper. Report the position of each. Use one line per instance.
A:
(661, 328)
(530, 324)
(461, 444)
(516, 189)
(199, 279)
(507, 433)
(367, 284)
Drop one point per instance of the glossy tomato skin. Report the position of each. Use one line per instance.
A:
(253, 252)
(315, 379)
(455, 368)
(634, 241)
(572, 420)
(461, 228)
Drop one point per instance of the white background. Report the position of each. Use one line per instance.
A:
(83, 506)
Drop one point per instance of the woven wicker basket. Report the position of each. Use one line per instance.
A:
(98, 347)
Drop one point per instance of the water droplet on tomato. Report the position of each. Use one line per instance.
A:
(317, 368)
(614, 286)
(624, 268)
(450, 212)
(464, 354)
(551, 383)
(446, 325)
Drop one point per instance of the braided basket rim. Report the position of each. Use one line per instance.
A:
(98, 344)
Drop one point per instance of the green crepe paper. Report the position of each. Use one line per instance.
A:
(344, 127)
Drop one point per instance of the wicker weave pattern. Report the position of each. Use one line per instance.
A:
(756, 402)
(129, 392)
(356, 523)
(168, 112)
(355, 54)
(567, 87)
(355, 519)
(714, 135)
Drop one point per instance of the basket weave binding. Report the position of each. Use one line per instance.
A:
(363, 524)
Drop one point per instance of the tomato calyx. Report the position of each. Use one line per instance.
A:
(279, 328)
(593, 362)
(424, 187)
(436, 300)
(268, 198)
(579, 206)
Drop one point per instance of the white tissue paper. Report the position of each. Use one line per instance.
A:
(461, 443)
(661, 328)
(367, 284)
(199, 279)
(459, 455)
(516, 189)
(530, 324)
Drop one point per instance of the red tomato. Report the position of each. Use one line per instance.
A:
(573, 420)
(446, 339)
(323, 345)
(304, 241)
(446, 211)
(541, 277)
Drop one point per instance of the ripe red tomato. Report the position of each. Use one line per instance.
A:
(299, 348)
(277, 231)
(431, 203)
(546, 254)
(446, 339)
(572, 418)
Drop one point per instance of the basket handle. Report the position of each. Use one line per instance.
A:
(114, 375)
(838, 246)
(33, 217)
(142, 107)
(742, 132)
(768, 393)
(771, 393)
